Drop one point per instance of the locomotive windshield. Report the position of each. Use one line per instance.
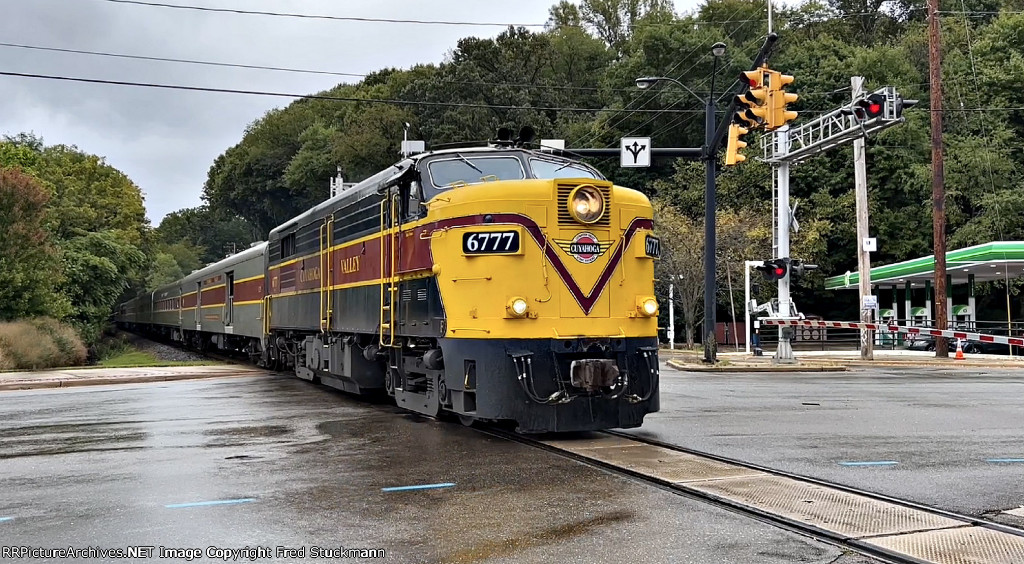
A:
(552, 169)
(472, 169)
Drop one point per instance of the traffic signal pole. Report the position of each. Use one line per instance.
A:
(710, 207)
(784, 352)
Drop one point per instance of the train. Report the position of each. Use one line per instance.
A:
(490, 283)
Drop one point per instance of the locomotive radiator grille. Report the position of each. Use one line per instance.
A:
(564, 218)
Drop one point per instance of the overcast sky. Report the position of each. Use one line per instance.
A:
(164, 140)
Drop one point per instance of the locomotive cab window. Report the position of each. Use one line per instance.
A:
(472, 170)
(543, 168)
(287, 245)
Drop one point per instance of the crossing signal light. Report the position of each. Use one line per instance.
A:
(871, 107)
(779, 99)
(732, 148)
(774, 269)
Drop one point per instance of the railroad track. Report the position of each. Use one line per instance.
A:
(883, 527)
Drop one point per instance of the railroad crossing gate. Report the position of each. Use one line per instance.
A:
(949, 334)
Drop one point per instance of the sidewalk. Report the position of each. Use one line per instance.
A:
(72, 377)
(825, 361)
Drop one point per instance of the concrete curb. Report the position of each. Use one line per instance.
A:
(796, 368)
(105, 381)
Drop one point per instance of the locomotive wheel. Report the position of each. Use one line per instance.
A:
(467, 420)
(389, 382)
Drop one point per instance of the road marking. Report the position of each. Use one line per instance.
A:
(205, 503)
(420, 487)
(1019, 512)
(998, 460)
(870, 463)
(2, 519)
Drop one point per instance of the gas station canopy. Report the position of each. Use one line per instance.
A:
(998, 260)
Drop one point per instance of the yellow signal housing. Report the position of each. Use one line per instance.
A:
(757, 98)
(778, 115)
(732, 149)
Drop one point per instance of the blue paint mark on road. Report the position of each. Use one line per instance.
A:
(870, 463)
(2, 519)
(1004, 460)
(206, 503)
(420, 487)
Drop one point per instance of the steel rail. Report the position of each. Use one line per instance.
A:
(845, 542)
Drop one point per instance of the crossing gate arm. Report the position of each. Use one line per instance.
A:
(950, 334)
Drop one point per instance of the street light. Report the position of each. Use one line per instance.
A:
(710, 155)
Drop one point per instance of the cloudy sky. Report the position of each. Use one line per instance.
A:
(166, 140)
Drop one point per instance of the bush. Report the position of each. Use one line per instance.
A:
(39, 343)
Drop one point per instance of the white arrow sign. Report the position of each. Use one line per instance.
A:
(635, 151)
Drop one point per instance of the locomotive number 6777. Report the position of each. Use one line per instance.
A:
(495, 283)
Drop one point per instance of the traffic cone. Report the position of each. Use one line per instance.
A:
(959, 350)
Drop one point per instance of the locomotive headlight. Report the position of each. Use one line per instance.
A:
(586, 204)
(647, 306)
(516, 307)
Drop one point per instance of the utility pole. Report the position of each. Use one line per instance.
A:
(938, 190)
(860, 175)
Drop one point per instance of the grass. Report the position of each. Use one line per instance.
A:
(142, 359)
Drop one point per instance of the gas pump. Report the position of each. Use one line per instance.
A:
(963, 317)
(886, 338)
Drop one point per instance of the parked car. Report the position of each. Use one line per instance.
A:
(927, 343)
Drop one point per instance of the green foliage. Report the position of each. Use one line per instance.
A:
(99, 267)
(29, 264)
(197, 236)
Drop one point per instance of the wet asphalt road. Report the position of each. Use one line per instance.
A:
(942, 427)
(99, 466)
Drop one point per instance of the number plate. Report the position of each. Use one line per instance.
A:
(490, 242)
(652, 246)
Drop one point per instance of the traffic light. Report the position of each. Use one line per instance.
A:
(774, 269)
(798, 268)
(870, 107)
(752, 105)
(779, 99)
(732, 149)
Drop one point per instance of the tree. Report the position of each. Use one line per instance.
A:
(681, 264)
(202, 235)
(98, 267)
(29, 264)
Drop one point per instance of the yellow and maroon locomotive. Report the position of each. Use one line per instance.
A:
(494, 283)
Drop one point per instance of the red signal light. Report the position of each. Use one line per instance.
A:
(779, 271)
(875, 108)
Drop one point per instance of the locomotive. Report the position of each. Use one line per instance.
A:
(493, 283)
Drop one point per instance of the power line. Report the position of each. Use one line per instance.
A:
(319, 16)
(681, 21)
(313, 96)
(173, 60)
(294, 70)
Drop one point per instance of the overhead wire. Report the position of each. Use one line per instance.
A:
(307, 96)
(606, 127)
(288, 69)
(366, 19)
